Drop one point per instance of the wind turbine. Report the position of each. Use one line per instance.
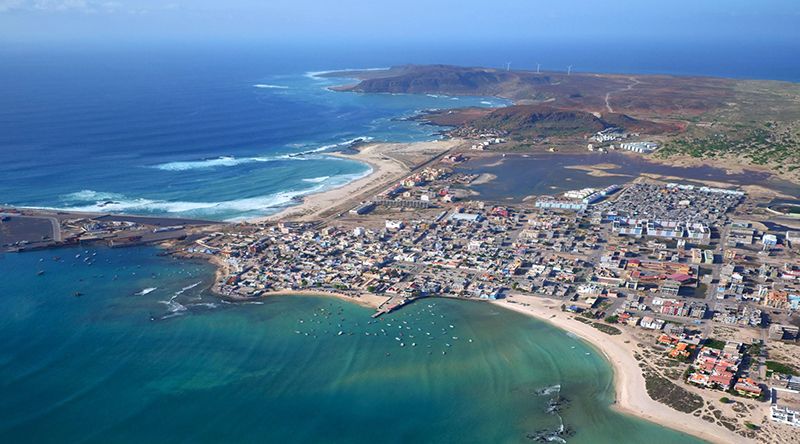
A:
(508, 66)
(538, 65)
(569, 70)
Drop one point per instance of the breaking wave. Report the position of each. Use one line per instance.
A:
(316, 75)
(222, 161)
(317, 179)
(268, 86)
(173, 305)
(104, 202)
(230, 161)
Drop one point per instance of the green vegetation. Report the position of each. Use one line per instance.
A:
(714, 343)
(725, 400)
(613, 319)
(754, 349)
(607, 329)
(751, 426)
(785, 369)
(768, 143)
(666, 392)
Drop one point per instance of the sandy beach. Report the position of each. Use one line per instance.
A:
(368, 300)
(389, 162)
(631, 394)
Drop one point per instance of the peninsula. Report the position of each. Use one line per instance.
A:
(686, 277)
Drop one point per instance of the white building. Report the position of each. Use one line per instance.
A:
(784, 415)
(639, 147)
(394, 224)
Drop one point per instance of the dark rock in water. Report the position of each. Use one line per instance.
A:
(557, 405)
(545, 435)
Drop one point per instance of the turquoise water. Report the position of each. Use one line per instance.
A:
(177, 365)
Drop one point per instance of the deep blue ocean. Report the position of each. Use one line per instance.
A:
(195, 137)
(147, 354)
(215, 132)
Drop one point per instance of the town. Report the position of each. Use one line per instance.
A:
(680, 265)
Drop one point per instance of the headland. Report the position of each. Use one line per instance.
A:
(680, 275)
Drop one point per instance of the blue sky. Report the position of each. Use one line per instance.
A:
(398, 20)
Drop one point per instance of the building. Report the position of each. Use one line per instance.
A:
(363, 208)
(651, 323)
(468, 217)
(747, 387)
(785, 415)
(793, 239)
(551, 204)
(670, 287)
(776, 299)
(394, 225)
(639, 147)
(778, 332)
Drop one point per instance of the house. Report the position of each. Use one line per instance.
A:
(747, 387)
(776, 299)
(651, 323)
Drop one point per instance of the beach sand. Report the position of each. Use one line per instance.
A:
(631, 394)
(364, 299)
(389, 162)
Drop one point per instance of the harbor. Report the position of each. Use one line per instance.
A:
(23, 229)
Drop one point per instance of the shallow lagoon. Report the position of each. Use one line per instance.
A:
(523, 175)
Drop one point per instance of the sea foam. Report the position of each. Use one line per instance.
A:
(260, 204)
(317, 74)
(317, 179)
(231, 161)
(222, 161)
(268, 86)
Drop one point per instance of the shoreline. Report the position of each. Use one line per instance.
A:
(629, 384)
(389, 162)
(367, 300)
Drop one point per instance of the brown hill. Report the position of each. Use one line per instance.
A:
(653, 97)
(543, 121)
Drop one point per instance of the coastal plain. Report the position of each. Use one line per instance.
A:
(511, 209)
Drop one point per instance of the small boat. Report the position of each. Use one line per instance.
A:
(340, 333)
(40, 272)
(77, 294)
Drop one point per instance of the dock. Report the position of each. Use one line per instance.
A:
(391, 305)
